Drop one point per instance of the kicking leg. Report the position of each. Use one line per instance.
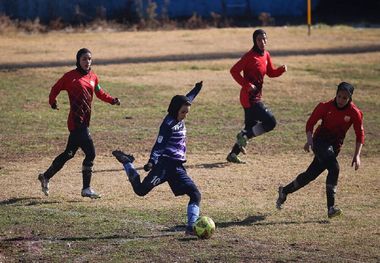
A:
(154, 178)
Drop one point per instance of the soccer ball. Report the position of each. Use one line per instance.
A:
(204, 227)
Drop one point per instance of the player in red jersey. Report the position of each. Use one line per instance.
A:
(337, 116)
(255, 64)
(80, 84)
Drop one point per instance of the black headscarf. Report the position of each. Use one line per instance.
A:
(346, 87)
(254, 37)
(79, 54)
(176, 103)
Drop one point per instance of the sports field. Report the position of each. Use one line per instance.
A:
(144, 70)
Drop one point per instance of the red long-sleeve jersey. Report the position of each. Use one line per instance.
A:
(336, 122)
(254, 67)
(80, 89)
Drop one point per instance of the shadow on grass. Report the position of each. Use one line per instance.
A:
(191, 166)
(105, 170)
(197, 57)
(113, 170)
(208, 165)
(26, 201)
(86, 238)
(256, 220)
(250, 220)
(293, 222)
(180, 229)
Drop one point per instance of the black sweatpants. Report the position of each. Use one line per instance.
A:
(258, 112)
(324, 159)
(79, 138)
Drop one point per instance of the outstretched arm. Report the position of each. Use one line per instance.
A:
(194, 92)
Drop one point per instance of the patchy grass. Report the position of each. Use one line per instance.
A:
(137, 67)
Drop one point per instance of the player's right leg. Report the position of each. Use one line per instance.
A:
(127, 161)
(312, 172)
(154, 178)
(242, 137)
(58, 163)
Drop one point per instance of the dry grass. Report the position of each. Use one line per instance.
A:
(239, 198)
(140, 69)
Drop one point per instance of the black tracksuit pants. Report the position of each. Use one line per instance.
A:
(79, 138)
(324, 159)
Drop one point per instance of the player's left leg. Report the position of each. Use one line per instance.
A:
(331, 187)
(266, 121)
(181, 184)
(57, 164)
(88, 148)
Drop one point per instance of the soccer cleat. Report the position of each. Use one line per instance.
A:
(123, 157)
(233, 158)
(334, 211)
(241, 140)
(281, 198)
(44, 184)
(190, 231)
(88, 192)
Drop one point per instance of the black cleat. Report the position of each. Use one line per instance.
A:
(281, 198)
(44, 184)
(123, 157)
(334, 212)
(190, 231)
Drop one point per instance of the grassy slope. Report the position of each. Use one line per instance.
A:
(240, 199)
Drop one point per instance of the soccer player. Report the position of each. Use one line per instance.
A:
(337, 116)
(81, 84)
(255, 64)
(167, 157)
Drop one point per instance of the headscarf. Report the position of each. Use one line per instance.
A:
(254, 37)
(176, 103)
(79, 54)
(345, 87)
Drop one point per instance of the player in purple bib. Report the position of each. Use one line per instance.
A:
(167, 157)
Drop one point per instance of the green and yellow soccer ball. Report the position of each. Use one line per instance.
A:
(204, 227)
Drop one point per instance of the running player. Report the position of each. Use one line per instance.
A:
(81, 84)
(337, 116)
(255, 64)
